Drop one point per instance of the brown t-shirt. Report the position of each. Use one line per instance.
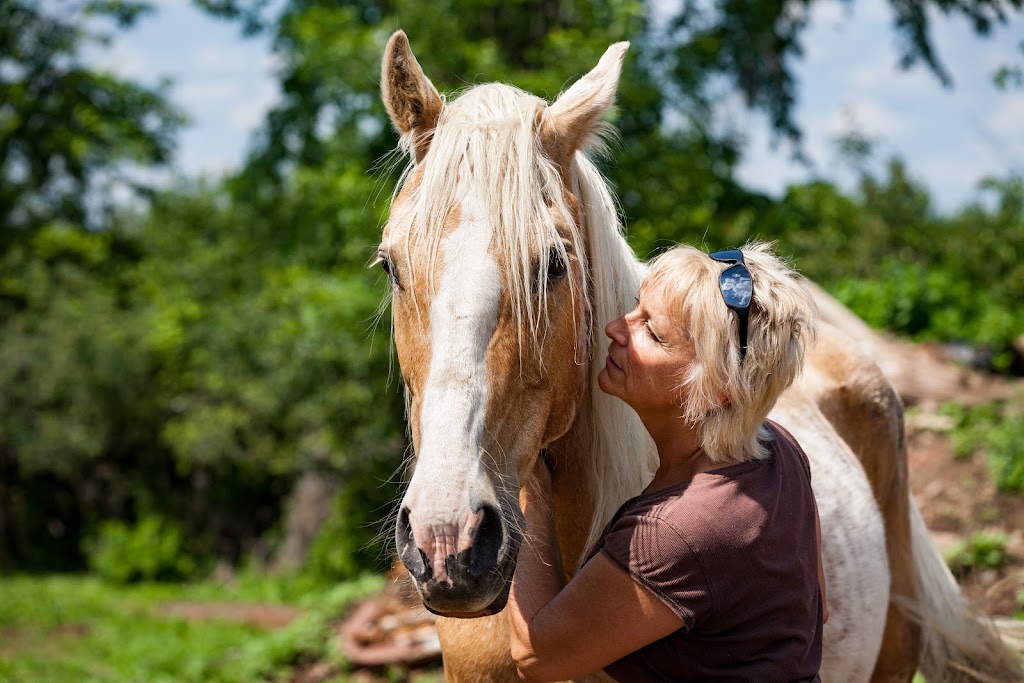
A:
(734, 554)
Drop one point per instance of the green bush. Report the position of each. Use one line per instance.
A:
(934, 305)
(971, 424)
(981, 550)
(74, 628)
(997, 429)
(1005, 454)
(150, 550)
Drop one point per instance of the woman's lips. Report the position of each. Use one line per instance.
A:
(612, 365)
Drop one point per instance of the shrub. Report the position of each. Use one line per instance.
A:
(997, 429)
(150, 550)
(981, 550)
(355, 536)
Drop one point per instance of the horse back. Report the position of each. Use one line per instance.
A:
(862, 405)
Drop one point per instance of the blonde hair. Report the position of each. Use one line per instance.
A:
(781, 325)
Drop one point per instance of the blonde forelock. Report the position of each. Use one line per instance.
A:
(486, 143)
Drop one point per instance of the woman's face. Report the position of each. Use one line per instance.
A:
(648, 355)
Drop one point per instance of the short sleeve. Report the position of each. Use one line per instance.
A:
(656, 556)
(783, 436)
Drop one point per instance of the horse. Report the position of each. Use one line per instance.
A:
(506, 257)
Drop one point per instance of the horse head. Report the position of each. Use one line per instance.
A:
(493, 310)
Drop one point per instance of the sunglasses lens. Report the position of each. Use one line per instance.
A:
(737, 286)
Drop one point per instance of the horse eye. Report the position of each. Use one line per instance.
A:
(556, 265)
(389, 268)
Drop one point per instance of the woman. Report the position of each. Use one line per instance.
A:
(714, 571)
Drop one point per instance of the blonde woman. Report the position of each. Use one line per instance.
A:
(714, 571)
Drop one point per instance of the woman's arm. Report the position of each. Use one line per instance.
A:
(562, 631)
(538, 578)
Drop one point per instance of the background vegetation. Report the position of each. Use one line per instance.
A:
(175, 369)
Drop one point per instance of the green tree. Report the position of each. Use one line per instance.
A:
(75, 407)
(753, 45)
(192, 361)
(69, 132)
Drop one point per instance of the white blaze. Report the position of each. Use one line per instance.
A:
(463, 317)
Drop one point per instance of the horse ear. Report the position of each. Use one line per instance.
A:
(411, 99)
(571, 119)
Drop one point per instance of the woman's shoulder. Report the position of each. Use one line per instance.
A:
(693, 507)
(784, 445)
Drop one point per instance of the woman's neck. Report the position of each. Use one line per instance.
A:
(679, 449)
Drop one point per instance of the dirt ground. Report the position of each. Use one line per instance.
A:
(958, 498)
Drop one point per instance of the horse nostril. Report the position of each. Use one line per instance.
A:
(487, 543)
(412, 557)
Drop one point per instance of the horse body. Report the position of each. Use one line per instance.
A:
(853, 543)
(506, 260)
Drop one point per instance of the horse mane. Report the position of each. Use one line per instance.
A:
(623, 455)
(487, 140)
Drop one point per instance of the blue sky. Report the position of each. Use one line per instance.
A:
(848, 78)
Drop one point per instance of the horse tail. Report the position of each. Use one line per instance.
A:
(958, 642)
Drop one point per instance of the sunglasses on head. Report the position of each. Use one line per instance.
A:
(737, 290)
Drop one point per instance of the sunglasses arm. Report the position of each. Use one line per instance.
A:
(743, 334)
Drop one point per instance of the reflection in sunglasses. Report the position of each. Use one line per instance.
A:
(737, 287)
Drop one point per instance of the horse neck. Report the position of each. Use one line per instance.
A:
(607, 455)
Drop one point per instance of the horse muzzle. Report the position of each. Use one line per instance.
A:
(461, 567)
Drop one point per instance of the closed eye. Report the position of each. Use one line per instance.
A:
(388, 266)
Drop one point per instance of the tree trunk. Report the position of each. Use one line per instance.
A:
(308, 506)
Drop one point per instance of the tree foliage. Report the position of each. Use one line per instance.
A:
(751, 45)
(67, 130)
(191, 358)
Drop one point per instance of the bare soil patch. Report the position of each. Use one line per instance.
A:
(15, 641)
(958, 498)
(263, 616)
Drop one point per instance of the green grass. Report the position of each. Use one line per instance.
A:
(997, 429)
(78, 629)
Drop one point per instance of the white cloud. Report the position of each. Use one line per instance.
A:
(869, 116)
(126, 61)
(848, 79)
(223, 81)
(880, 75)
(248, 114)
(1007, 118)
(220, 58)
(200, 95)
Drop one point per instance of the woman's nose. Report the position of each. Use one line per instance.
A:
(616, 330)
